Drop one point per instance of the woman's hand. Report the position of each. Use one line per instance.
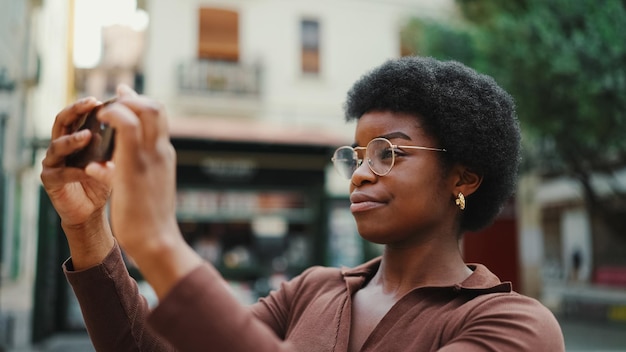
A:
(143, 202)
(80, 200)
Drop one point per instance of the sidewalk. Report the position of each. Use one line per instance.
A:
(586, 302)
(589, 336)
(593, 318)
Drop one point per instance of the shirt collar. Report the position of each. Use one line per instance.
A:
(479, 282)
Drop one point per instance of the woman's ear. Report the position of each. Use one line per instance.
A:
(467, 180)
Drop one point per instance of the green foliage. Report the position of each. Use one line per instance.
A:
(483, 11)
(564, 61)
(423, 37)
(567, 71)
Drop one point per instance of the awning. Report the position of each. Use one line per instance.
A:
(240, 130)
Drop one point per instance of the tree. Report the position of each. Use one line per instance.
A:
(564, 61)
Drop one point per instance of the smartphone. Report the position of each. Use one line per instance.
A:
(100, 147)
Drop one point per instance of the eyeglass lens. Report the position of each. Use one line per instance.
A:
(345, 161)
(379, 156)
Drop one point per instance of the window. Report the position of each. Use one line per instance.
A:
(256, 238)
(310, 38)
(218, 37)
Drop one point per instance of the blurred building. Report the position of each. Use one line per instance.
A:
(19, 73)
(254, 90)
(584, 272)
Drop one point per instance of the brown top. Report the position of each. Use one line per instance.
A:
(309, 313)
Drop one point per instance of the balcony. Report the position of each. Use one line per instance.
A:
(208, 87)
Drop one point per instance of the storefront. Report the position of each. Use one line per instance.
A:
(257, 211)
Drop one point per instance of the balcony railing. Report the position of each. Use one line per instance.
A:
(219, 78)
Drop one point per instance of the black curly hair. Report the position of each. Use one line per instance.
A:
(467, 113)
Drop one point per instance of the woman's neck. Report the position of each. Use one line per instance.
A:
(428, 264)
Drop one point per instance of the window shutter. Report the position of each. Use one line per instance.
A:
(219, 34)
(310, 37)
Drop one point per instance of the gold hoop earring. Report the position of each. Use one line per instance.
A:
(460, 201)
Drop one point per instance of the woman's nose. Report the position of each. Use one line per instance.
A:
(363, 174)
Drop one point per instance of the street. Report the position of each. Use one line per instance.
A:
(585, 336)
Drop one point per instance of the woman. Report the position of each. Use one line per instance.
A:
(436, 154)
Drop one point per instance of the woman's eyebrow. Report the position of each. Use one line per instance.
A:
(393, 135)
(389, 136)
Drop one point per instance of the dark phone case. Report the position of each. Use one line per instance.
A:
(100, 148)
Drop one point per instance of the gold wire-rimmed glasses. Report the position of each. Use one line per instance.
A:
(379, 152)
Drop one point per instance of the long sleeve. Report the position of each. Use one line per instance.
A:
(114, 311)
(200, 314)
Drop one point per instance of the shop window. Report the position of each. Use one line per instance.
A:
(256, 239)
(310, 41)
(218, 36)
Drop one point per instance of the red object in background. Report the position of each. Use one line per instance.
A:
(496, 248)
(610, 276)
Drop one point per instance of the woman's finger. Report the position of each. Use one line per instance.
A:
(102, 172)
(124, 91)
(150, 113)
(55, 177)
(67, 118)
(65, 145)
(152, 121)
(154, 124)
(128, 134)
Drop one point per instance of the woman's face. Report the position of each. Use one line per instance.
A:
(413, 202)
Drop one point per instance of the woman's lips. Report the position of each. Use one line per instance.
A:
(363, 202)
(364, 206)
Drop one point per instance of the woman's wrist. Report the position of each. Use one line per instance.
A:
(89, 242)
(165, 262)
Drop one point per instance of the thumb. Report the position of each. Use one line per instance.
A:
(125, 91)
(101, 172)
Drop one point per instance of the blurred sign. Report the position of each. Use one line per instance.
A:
(229, 168)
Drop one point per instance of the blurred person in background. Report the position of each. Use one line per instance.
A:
(435, 154)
